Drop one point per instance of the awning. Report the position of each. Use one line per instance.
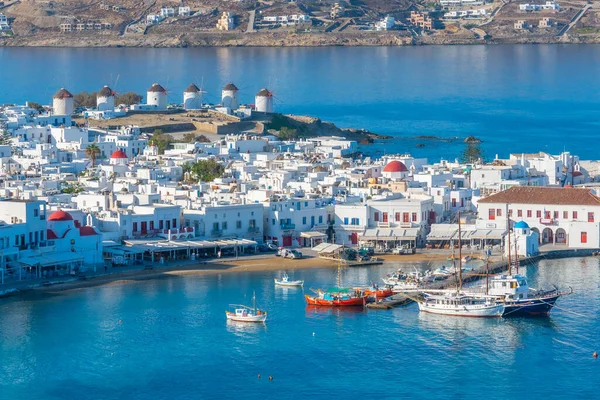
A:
(390, 234)
(442, 231)
(312, 235)
(51, 259)
(488, 234)
(327, 248)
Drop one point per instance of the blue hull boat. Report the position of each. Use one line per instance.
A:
(532, 307)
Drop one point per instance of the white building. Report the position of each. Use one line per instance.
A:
(229, 96)
(153, 19)
(184, 11)
(4, 25)
(192, 97)
(385, 24)
(105, 99)
(226, 221)
(156, 96)
(263, 101)
(62, 102)
(561, 216)
(226, 22)
(167, 12)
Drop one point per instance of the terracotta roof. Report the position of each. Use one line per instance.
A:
(230, 86)
(156, 88)
(395, 166)
(63, 94)
(192, 89)
(106, 92)
(544, 195)
(264, 93)
(60, 215)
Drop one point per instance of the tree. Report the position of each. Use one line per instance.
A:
(189, 137)
(36, 106)
(128, 98)
(472, 153)
(84, 99)
(286, 133)
(204, 170)
(161, 140)
(92, 151)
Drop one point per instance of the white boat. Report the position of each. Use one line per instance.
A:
(466, 259)
(285, 281)
(243, 313)
(461, 305)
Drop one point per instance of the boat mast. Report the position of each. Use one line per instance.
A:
(516, 255)
(254, 301)
(508, 233)
(487, 273)
(459, 287)
(339, 271)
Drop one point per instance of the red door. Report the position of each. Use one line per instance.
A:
(354, 238)
(287, 241)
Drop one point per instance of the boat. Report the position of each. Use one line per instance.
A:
(519, 299)
(390, 302)
(337, 297)
(242, 313)
(379, 292)
(458, 303)
(466, 259)
(285, 281)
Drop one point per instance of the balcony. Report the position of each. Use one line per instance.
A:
(253, 229)
(178, 234)
(216, 233)
(288, 226)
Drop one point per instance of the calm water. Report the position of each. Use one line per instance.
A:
(174, 343)
(517, 98)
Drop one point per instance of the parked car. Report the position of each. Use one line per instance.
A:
(289, 253)
(271, 246)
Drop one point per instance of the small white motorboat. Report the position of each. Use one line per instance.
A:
(285, 281)
(241, 313)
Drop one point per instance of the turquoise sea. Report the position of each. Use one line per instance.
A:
(169, 339)
(517, 98)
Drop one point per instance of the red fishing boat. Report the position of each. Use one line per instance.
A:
(380, 293)
(337, 297)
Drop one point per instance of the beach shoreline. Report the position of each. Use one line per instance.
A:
(222, 266)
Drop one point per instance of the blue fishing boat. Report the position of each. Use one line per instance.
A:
(521, 300)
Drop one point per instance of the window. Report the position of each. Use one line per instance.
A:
(510, 212)
(215, 226)
(224, 225)
(306, 204)
(529, 214)
(590, 217)
(453, 202)
(499, 212)
(555, 214)
(385, 217)
(583, 237)
(414, 217)
(252, 223)
(397, 217)
(303, 220)
(565, 215)
(273, 221)
(345, 220)
(519, 213)
(574, 214)
(538, 214)
(174, 223)
(492, 214)
(405, 217)
(547, 214)
(135, 226)
(152, 225)
(160, 224)
(36, 211)
(320, 219)
(376, 216)
(312, 219)
(238, 225)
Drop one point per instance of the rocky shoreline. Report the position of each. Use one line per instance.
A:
(273, 39)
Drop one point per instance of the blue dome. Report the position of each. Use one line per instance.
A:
(521, 225)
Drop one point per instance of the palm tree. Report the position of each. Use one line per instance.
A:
(92, 151)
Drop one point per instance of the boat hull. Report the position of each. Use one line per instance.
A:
(353, 302)
(491, 311)
(289, 283)
(380, 293)
(248, 318)
(536, 307)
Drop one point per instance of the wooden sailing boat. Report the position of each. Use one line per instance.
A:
(338, 296)
(459, 303)
(242, 313)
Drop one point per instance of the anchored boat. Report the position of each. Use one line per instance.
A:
(285, 281)
(337, 297)
(242, 313)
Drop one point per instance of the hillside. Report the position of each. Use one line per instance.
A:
(182, 23)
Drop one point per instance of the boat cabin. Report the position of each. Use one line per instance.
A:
(511, 287)
(455, 301)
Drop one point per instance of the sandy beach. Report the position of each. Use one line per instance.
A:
(226, 266)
